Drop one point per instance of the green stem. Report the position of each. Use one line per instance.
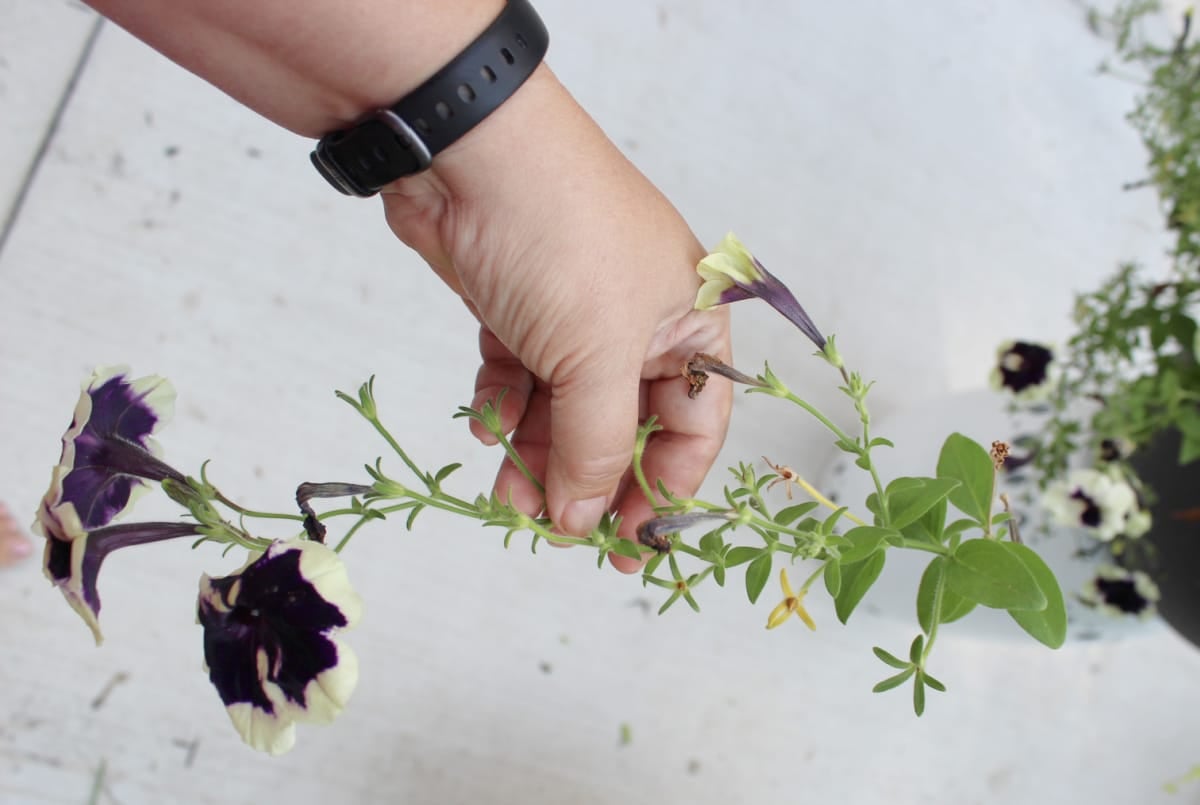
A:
(519, 462)
(824, 420)
(244, 512)
(866, 453)
(937, 616)
(375, 423)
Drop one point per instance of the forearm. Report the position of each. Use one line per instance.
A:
(309, 65)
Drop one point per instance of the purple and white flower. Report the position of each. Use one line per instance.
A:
(1102, 502)
(1024, 369)
(268, 641)
(1121, 592)
(107, 457)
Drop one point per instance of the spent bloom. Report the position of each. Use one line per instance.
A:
(107, 457)
(1101, 502)
(1024, 369)
(269, 647)
(731, 273)
(792, 603)
(1121, 592)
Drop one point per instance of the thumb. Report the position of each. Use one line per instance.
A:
(593, 424)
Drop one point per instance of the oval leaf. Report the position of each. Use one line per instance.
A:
(927, 593)
(856, 580)
(833, 578)
(908, 502)
(986, 572)
(965, 461)
(864, 541)
(1047, 626)
(756, 576)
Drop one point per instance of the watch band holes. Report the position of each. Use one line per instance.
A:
(466, 93)
(378, 154)
(423, 125)
(521, 41)
(507, 54)
(488, 74)
(443, 110)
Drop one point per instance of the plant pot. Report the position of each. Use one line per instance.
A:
(918, 433)
(1172, 545)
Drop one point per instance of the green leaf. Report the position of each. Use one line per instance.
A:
(958, 527)
(445, 471)
(792, 513)
(741, 555)
(833, 577)
(856, 580)
(984, 571)
(711, 542)
(1048, 626)
(625, 547)
(933, 683)
(968, 463)
(954, 606)
(930, 526)
(909, 501)
(756, 576)
(927, 593)
(412, 515)
(719, 575)
(919, 694)
(865, 540)
(879, 441)
(889, 659)
(894, 681)
(914, 650)
(652, 566)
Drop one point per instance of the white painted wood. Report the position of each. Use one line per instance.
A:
(930, 178)
(40, 43)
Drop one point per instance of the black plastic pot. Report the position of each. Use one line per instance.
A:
(1171, 553)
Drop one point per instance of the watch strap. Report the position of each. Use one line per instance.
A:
(403, 139)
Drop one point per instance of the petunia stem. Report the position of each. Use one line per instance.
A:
(244, 512)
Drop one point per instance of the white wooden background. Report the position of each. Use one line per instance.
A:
(929, 177)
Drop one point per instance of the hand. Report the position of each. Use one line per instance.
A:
(582, 276)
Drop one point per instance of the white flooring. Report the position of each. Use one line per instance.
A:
(931, 178)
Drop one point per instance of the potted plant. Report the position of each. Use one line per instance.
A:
(1121, 396)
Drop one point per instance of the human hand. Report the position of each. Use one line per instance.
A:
(582, 276)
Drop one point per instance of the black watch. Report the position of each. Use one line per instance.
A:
(403, 139)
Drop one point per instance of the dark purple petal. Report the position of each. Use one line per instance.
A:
(1023, 366)
(73, 556)
(777, 295)
(267, 640)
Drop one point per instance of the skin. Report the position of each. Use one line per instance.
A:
(14, 544)
(580, 273)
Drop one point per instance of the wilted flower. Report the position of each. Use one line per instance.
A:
(268, 643)
(1023, 368)
(731, 274)
(1121, 592)
(1103, 503)
(791, 604)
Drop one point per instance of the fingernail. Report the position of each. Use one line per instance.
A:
(581, 516)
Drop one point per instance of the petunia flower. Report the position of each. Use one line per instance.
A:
(107, 452)
(731, 274)
(1103, 503)
(268, 643)
(73, 554)
(1023, 368)
(1118, 591)
(107, 456)
(791, 604)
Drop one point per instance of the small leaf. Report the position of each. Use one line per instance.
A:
(719, 575)
(856, 581)
(919, 694)
(792, 513)
(889, 659)
(933, 683)
(711, 542)
(894, 681)
(958, 527)
(865, 540)
(1048, 626)
(986, 572)
(445, 471)
(914, 651)
(833, 577)
(412, 515)
(741, 555)
(625, 547)
(756, 576)
(879, 441)
(967, 462)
